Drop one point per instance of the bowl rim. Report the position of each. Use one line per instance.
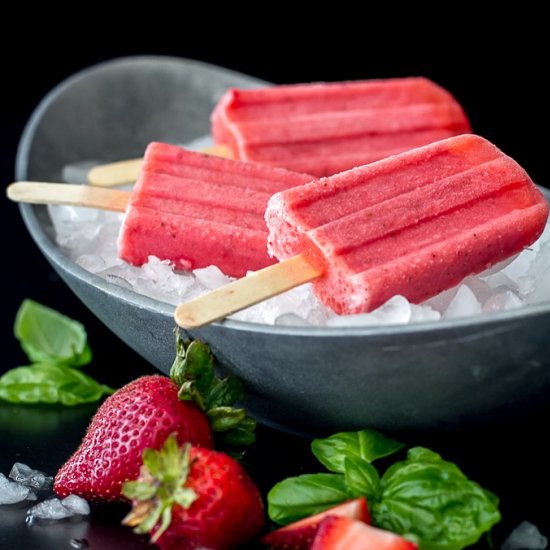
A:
(54, 254)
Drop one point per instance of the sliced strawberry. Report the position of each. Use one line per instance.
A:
(300, 534)
(341, 533)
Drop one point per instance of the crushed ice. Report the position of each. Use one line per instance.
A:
(24, 485)
(12, 492)
(54, 509)
(88, 237)
(31, 478)
(525, 536)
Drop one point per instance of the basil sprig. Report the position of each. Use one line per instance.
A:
(424, 498)
(57, 346)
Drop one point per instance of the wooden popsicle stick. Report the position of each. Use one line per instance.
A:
(62, 193)
(127, 171)
(245, 292)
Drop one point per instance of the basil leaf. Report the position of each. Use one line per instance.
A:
(429, 499)
(298, 497)
(43, 383)
(366, 445)
(362, 479)
(47, 336)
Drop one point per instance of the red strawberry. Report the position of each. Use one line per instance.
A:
(300, 534)
(194, 498)
(140, 415)
(340, 533)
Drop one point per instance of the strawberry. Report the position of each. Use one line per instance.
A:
(192, 497)
(143, 413)
(300, 534)
(341, 533)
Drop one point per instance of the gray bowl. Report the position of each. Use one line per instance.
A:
(310, 380)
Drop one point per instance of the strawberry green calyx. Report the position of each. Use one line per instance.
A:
(193, 371)
(161, 485)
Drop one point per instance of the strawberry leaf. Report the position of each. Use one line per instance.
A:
(223, 419)
(194, 371)
(153, 462)
(242, 435)
(137, 490)
(160, 485)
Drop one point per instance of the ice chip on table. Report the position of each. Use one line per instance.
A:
(325, 128)
(413, 224)
(31, 478)
(12, 492)
(197, 210)
(77, 505)
(54, 509)
(525, 536)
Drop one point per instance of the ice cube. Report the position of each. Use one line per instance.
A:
(12, 492)
(525, 536)
(464, 304)
(54, 509)
(31, 478)
(503, 301)
(211, 277)
(91, 262)
(77, 505)
(51, 509)
(397, 310)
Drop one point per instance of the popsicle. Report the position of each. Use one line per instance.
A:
(413, 224)
(325, 128)
(190, 208)
(197, 210)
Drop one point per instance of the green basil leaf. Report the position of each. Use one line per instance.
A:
(50, 337)
(366, 445)
(298, 497)
(43, 383)
(430, 499)
(362, 479)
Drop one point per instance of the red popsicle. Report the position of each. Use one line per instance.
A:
(413, 224)
(326, 128)
(197, 210)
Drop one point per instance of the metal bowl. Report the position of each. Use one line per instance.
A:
(310, 380)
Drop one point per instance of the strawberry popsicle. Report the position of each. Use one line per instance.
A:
(326, 128)
(197, 210)
(413, 224)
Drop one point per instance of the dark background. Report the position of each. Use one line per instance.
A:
(496, 67)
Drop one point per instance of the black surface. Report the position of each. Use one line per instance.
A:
(493, 71)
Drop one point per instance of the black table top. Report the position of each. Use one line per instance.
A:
(510, 460)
